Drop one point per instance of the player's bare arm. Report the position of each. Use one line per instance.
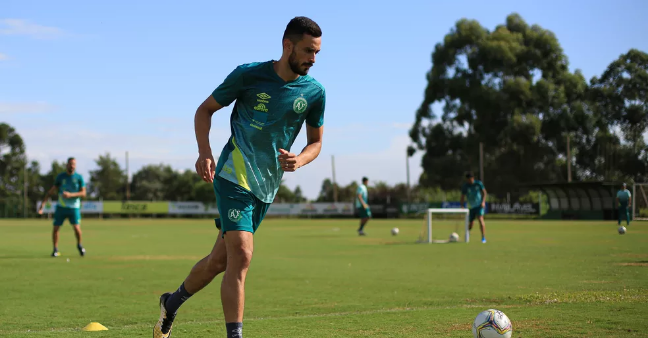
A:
(483, 202)
(81, 193)
(291, 162)
(461, 202)
(205, 165)
(52, 190)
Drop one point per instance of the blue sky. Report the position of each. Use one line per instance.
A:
(82, 78)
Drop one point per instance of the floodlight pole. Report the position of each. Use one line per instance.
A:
(127, 174)
(569, 171)
(481, 161)
(409, 200)
(335, 197)
(25, 190)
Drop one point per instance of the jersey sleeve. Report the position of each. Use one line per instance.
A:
(229, 90)
(481, 185)
(58, 181)
(81, 182)
(315, 117)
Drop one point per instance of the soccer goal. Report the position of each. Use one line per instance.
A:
(640, 202)
(441, 223)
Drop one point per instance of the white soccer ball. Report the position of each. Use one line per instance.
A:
(622, 230)
(492, 324)
(454, 237)
(395, 231)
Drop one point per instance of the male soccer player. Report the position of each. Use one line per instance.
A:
(624, 199)
(273, 100)
(71, 188)
(476, 193)
(362, 204)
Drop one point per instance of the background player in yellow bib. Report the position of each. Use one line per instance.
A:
(273, 101)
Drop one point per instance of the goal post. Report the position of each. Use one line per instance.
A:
(461, 217)
(640, 201)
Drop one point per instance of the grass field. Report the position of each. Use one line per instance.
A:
(317, 278)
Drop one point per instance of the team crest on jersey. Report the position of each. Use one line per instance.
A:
(234, 215)
(300, 104)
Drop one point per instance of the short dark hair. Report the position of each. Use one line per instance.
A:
(364, 179)
(70, 159)
(469, 175)
(299, 26)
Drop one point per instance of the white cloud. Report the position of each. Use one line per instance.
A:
(24, 27)
(24, 107)
(3, 57)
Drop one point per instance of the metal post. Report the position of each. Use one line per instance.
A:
(481, 161)
(569, 159)
(409, 199)
(335, 197)
(127, 175)
(25, 184)
(634, 200)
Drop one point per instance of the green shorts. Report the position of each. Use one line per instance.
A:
(239, 209)
(364, 213)
(475, 212)
(61, 213)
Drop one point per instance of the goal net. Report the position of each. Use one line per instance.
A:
(640, 201)
(441, 224)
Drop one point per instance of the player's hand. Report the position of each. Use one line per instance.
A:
(206, 167)
(40, 210)
(289, 162)
(483, 205)
(66, 194)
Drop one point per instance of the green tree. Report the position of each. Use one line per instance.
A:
(203, 192)
(152, 183)
(620, 96)
(284, 194)
(183, 185)
(108, 181)
(299, 195)
(511, 90)
(12, 162)
(48, 179)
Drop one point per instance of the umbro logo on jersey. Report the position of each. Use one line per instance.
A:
(263, 96)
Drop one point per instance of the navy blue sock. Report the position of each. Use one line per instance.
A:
(178, 298)
(234, 330)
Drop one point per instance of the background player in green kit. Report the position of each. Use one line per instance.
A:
(273, 100)
(362, 205)
(71, 188)
(624, 199)
(476, 193)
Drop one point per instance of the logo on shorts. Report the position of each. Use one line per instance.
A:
(234, 215)
(300, 104)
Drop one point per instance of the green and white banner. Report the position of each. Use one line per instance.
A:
(199, 208)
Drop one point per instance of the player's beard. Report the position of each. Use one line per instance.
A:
(297, 68)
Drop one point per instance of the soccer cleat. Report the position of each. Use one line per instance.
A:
(164, 325)
(81, 250)
(55, 253)
(361, 233)
(483, 240)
